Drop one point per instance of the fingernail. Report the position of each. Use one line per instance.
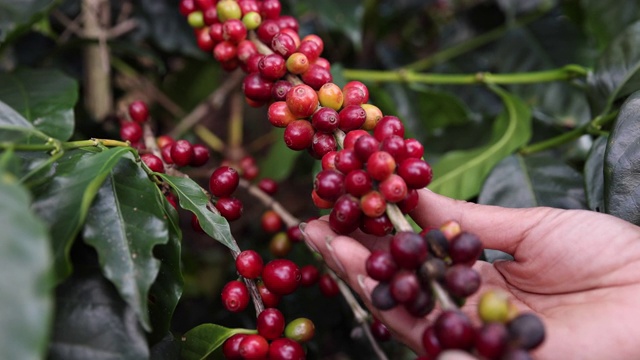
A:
(363, 286)
(307, 241)
(332, 252)
(302, 226)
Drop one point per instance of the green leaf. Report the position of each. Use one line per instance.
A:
(616, 73)
(15, 128)
(594, 174)
(460, 174)
(280, 161)
(343, 16)
(14, 13)
(604, 20)
(25, 274)
(199, 342)
(63, 202)
(191, 197)
(124, 224)
(93, 322)
(622, 164)
(44, 97)
(439, 109)
(536, 180)
(167, 289)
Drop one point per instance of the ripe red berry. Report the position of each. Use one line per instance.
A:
(378, 226)
(298, 135)
(235, 296)
(279, 114)
(311, 49)
(329, 185)
(234, 30)
(153, 162)
(465, 248)
(229, 208)
(280, 90)
(269, 299)
(365, 146)
(353, 136)
(165, 151)
(272, 67)
(270, 323)
(325, 120)
(249, 264)
(394, 145)
(271, 222)
(254, 347)
(288, 22)
(379, 330)
(163, 140)
(404, 286)
(408, 249)
(393, 188)
(309, 275)
(187, 7)
(491, 341)
(380, 265)
(138, 111)
(373, 204)
(321, 144)
(295, 234)
(328, 286)
(224, 181)
(268, 185)
(316, 76)
(346, 214)
(387, 126)
(430, 342)
(302, 101)
(281, 276)
(415, 172)
(328, 160)
(461, 280)
(454, 330)
(319, 202)
(414, 148)
(283, 44)
(246, 49)
(200, 155)
(286, 349)
(380, 165)
(130, 131)
(225, 51)
(358, 183)
(267, 30)
(355, 93)
(346, 161)
(182, 152)
(381, 297)
(257, 88)
(271, 9)
(231, 347)
(410, 202)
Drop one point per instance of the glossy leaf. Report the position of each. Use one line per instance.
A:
(604, 20)
(594, 174)
(199, 342)
(280, 161)
(167, 288)
(460, 174)
(617, 72)
(93, 322)
(15, 13)
(64, 201)
(15, 128)
(439, 109)
(124, 224)
(25, 272)
(192, 198)
(622, 164)
(536, 180)
(44, 97)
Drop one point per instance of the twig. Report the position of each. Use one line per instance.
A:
(270, 202)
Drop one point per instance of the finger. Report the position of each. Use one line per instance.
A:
(498, 228)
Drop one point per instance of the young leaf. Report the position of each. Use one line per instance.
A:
(622, 164)
(93, 322)
(537, 180)
(25, 274)
(199, 342)
(460, 174)
(44, 97)
(124, 224)
(63, 202)
(594, 174)
(192, 198)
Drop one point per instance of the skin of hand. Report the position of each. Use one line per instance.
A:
(576, 269)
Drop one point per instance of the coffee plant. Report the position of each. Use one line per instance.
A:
(158, 160)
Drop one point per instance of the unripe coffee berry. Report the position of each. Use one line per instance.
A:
(228, 9)
(300, 330)
(330, 96)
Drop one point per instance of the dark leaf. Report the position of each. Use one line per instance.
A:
(536, 180)
(604, 20)
(44, 97)
(460, 174)
(25, 272)
(438, 109)
(16, 129)
(124, 224)
(622, 164)
(93, 322)
(167, 349)
(15, 13)
(199, 342)
(594, 174)
(280, 161)
(191, 197)
(64, 201)
(343, 16)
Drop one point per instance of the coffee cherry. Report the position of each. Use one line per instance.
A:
(302, 101)
(373, 204)
(381, 297)
(410, 202)
(269, 299)
(345, 216)
(187, 7)
(325, 120)
(380, 265)
(374, 114)
(229, 208)
(413, 148)
(311, 50)
(251, 67)
(322, 144)
(195, 19)
(267, 30)
(200, 155)
(234, 30)
(215, 32)
(454, 330)
(415, 172)
(355, 93)
(271, 222)
(300, 330)
(438, 243)
(328, 160)
(404, 286)
(329, 185)
(365, 146)
(225, 51)
(153, 162)
(408, 249)
(346, 161)
(280, 245)
(309, 275)
(272, 67)
(286, 349)
(462, 281)
(451, 229)
(351, 117)
(130, 131)
(271, 9)
(280, 89)
(316, 76)
(393, 188)
(297, 63)
(231, 347)
(245, 50)
(281, 276)
(257, 88)
(319, 202)
(252, 20)
(423, 304)
(163, 140)
(268, 185)
(182, 152)
(328, 286)
(227, 10)
(249, 264)
(493, 306)
(298, 135)
(379, 330)
(323, 63)
(279, 114)
(387, 126)
(172, 200)
(270, 323)
(432, 270)
(491, 340)
(353, 136)
(380, 165)
(204, 4)
(394, 145)
(330, 96)
(283, 44)
(378, 226)
(138, 111)
(465, 248)
(254, 346)
(430, 342)
(526, 330)
(358, 183)
(223, 181)
(295, 234)
(235, 296)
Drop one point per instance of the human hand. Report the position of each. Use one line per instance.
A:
(578, 270)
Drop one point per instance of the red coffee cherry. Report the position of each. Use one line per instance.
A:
(182, 152)
(280, 90)
(302, 101)
(380, 165)
(465, 248)
(254, 347)
(380, 265)
(229, 208)
(346, 214)
(281, 276)
(268, 185)
(415, 172)
(358, 183)
(153, 162)
(379, 330)
(298, 135)
(352, 117)
(279, 114)
(462, 281)
(286, 349)
(346, 161)
(271, 9)
(215, 32)
(328, 286)
(373, 204)
(404, 286)
(387, 126)
(492, 340)
(454, 330)
(270, 323)
(353, 136)
(393, 188)
(408, 249)
(224, 181)
(235, 296)
(295, 234)
(267, 30)
(316, 76)
(283, 44)
(204, 40)
(414, 148)
(187, 7)
(311, 49)
(249, 264)
(321, 144)
(378, 226)
(325, 120)
(130, 131)
(319, 202)
(272, 67)
(395, 146)
(271, 222)
(309, 275)
(269, 299)
(288, 22)
(163, 140)
(422, 305)
(430, 342)
(328, 160)
(234, 30)
(365, 146)
(165, 151)
(355, 93)
(231, 347)
(225, 51)
(410, 202)
(246, 49)
(257, 88)
(200, 155)
(138, 111)
(329, 185)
